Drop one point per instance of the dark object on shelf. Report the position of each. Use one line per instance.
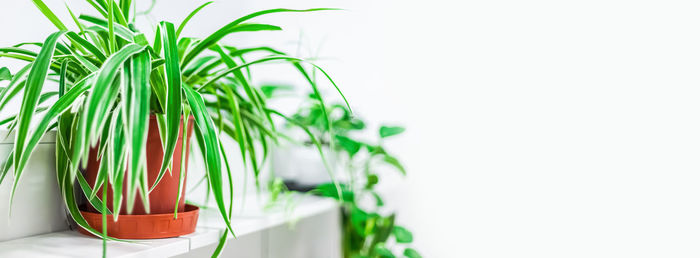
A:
(294, 186)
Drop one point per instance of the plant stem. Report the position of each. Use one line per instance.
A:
(104, 222)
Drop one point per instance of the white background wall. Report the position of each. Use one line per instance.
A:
(535, 128)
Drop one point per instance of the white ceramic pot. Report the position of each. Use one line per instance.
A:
(302, 164)
(37, 207)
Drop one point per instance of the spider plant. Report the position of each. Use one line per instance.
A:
(110, 78)
(366, 229)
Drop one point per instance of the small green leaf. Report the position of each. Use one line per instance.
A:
(270, 90)
(384, 227)
(383, 252)
(394, 162)
(5, 74)
(402, 235)
(372, 179)
(411, 253)
(350, 145)
(386, 131)
(378, 198)
(357, 124)
(329, 190)
(375, 150)
(358, 217)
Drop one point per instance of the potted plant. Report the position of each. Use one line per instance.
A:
(298, 164)
(368, 230)
(127, 108)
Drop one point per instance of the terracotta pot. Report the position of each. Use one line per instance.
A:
(162, 199)
(145, 226)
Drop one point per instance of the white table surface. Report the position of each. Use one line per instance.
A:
(209, 228)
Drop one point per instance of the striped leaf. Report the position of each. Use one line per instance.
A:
(99, 98)
(34, 85)
(210, 141)
(173, 108)
(119, 30)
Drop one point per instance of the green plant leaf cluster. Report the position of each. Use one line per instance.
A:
(366, 233)
(112, 80)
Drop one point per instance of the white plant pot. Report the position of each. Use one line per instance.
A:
(37, 207)
(302, 164)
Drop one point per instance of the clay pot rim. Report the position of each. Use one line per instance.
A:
(189, 210)
(132, 226)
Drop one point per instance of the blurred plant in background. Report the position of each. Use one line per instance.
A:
(367, 230)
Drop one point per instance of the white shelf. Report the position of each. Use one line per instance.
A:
(209, 228)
